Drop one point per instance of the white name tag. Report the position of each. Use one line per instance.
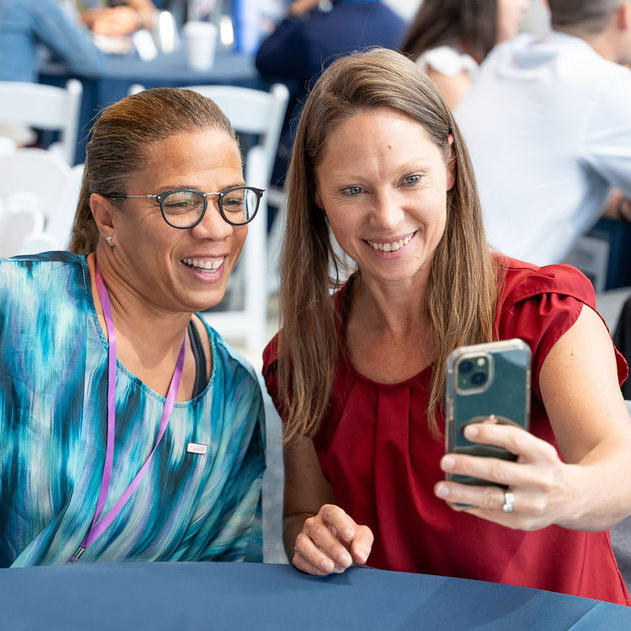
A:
(196, 448)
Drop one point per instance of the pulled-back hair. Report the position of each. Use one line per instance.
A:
(462, 288)
(585, 16)
(121, 137)
(467, 24)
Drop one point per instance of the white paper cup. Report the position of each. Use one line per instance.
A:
(200, 41)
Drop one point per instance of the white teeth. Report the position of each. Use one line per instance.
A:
(390, 247)
(210, 266)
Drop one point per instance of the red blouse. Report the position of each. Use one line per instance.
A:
(376, 450)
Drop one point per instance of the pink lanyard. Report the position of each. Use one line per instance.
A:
(99, 525)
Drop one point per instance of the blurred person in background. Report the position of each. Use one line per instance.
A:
(449, 39)
(27, 24)
(548, 125)
(312, 35)
(117, 17)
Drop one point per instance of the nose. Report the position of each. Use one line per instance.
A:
(388, 210)
(213, 226)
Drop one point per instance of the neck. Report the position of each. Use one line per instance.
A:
(393, 309)
(604, 43)
(151, 332)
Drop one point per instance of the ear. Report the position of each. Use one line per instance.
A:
(623, 16)
(451, 165)
(103, 214)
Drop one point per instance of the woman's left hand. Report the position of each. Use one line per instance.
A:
(538, 491)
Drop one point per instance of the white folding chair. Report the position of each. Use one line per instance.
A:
(47, 183)
(261, 114)
(44, 107)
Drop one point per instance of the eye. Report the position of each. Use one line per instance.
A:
(412, 179)
(352, 190)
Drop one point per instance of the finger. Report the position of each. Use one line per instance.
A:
(496, 470)
(362, 544)
(340, 522)
(326, 542)
(515, 439)
(309, 558)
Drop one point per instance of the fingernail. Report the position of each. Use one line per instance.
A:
(344, 560)
(447, 463)
(442, 491)
(471, 431)
(327, 566)
(347, 534)
(362, 555)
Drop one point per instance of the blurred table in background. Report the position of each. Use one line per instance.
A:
(200, 596)
(170, 70)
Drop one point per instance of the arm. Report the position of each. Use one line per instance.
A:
(67, 40)
(453, 88)
(590, 489)
(319, 537)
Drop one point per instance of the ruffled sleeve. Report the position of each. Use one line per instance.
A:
(539, 304)
(447, 61)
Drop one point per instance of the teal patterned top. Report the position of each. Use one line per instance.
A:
(53, 426)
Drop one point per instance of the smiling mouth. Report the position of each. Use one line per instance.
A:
(391, 246)
(204, 265)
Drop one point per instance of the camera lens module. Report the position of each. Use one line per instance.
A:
(465, 366)
(479, 378)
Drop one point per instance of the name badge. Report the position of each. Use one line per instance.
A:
(196, 448)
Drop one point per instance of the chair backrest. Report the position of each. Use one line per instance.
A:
(44, 107)
(46, 182)
(252, 112)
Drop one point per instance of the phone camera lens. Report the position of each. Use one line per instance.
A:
(465, 366)
(479, 378)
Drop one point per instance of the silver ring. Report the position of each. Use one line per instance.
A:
(509, 502)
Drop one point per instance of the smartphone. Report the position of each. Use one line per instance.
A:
(484, 380)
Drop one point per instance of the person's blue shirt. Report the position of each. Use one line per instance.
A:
(26, 24)
(301, 47)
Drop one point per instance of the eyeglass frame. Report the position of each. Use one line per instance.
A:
(160, 197)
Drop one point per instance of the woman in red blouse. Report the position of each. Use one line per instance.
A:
(359, 378)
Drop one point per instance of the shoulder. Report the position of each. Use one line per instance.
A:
(45, 268)
(448, 61)
(525, 280)
(539, 304)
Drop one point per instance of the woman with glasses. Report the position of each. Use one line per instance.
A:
(380, 173)
(129, 429)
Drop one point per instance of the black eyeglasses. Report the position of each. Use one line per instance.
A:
(185, 208)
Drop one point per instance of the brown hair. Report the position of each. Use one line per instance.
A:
(468, 24)
(462, 289)
(589, 17)
(120, 139)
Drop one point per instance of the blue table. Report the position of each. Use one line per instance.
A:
(171, 70)
(235, 596)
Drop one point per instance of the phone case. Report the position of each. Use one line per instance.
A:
(485, 379)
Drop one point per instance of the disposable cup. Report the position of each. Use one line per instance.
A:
(200, 41)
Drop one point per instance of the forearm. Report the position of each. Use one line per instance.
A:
(600, 486)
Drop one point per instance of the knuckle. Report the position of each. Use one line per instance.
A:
(327, 512)
(498, 471)
(489, 497)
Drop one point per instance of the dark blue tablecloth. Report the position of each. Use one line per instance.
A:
(234, 596)
(122, 71)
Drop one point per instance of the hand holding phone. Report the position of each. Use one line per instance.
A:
(486, 381)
